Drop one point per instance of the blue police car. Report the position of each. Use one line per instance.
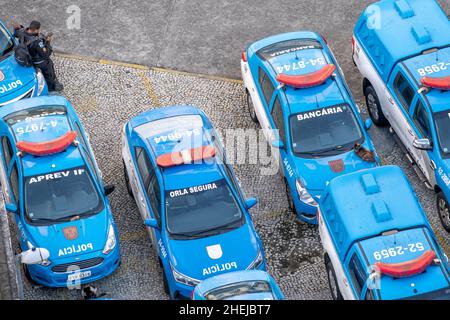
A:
(378, 242)
(238, 285)
(407, 84)
(16, 82)
(297, 93)
(51, 183)
(188, 196)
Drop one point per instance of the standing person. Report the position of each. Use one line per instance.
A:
(40, 50)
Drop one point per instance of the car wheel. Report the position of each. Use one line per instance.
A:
(166, 284)
(444, 211)
(251, 109)
(127, 181)
(332, 281)
(374, 107)
(289, 198)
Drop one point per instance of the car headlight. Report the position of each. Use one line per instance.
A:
(111, 241)
(304, 196)
(257, 262)
(41, 82)
(181, 278)
(45, 263)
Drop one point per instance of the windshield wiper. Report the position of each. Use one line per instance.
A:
(320, 152)
(225, 227)
(67, 218)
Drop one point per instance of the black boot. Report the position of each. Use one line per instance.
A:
(57, 87)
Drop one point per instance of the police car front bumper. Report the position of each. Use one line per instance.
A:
(33, 89)
(184, 292)
(305, 212)
(46, 276)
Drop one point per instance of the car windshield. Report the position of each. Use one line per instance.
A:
(6, 43)
(324, 131)
(239, 289)
(202, 210)
(61, 196)
(442, 120)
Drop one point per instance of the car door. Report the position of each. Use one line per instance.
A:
(402, 97)
(7, 155)
(278, 124)
(421, 118)
(141, 181)
(266, 91)
(356, 273)
(154, 196)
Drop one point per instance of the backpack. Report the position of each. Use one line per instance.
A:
(22, 54)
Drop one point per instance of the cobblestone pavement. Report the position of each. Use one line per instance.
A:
(106, 96)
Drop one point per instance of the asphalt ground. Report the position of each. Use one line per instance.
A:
(106, 95)
(204, 37)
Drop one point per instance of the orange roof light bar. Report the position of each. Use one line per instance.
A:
(308, 80)
(186, 156)
(436, 83)
(408, 268)
(48, 147)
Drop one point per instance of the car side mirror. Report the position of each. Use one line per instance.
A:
(11, 207)
(422, 144)
(368, 124)
(34, 256)
(278, 144)
(152, 223)
(109, 189)
(250, 203)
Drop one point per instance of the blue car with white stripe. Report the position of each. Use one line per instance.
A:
(377, 240)
(188, 196)
(53, 187)
(407, 84)
(297, 93)
(17, 82)
(239, 285)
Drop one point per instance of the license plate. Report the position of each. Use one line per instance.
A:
(78, 275)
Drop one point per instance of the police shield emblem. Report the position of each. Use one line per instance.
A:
(336, 165)
(214, 252)
(2, 76)
(70, 233)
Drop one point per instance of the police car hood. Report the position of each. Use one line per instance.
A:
(315, 173)
(70, 239)
(15, 77)
(206, 257)
(402, 247)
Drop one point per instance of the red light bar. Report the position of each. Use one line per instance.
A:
(48, 147)
(244, 56)
(186, 156)
(408, 268)
(437, 83)
(308, 80)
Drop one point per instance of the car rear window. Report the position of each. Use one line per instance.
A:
(285, 47)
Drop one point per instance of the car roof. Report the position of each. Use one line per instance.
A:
(421, 25)
(367, 203)
(175, 128)
(438, 99)
(298, 53)
(35, 165)
(397, 288)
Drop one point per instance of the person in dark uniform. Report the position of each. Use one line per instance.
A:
(40, 49)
